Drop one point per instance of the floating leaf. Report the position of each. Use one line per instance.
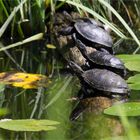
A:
(125, 109)
(132, 62)
(134, 82)
(134, 86)
(129, 57)
(134, 79)
(24, 80)
(120, 138)
(4, 111)
(28, 125)
(133, 66)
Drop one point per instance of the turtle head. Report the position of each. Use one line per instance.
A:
(80, 45)
(77, 69)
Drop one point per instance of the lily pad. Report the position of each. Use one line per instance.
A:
(132, 62)
(134, 82)
(133, 65)
(120, 138)
(134, 86)
(28, 125)
(129, 57)
(125, 109)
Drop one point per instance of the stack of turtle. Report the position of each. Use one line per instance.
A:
(104, 73)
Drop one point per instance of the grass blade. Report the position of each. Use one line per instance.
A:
(5, 25)
(27, 40)
(122, 21)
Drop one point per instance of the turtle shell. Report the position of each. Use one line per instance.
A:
(103, 58)
(105, 80)
(93, 33)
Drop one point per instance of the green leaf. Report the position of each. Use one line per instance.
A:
(11, 16)
(132, 62)
(28, 125)
(134, 82)
(125, 109)
(134, 79)
(124, 23)
(134, 86)
(35, 37)
(133, 65)
(120, 138)
(129, 57)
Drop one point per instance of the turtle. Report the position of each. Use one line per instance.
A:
(102, 80)
(90, 32)
(102, 59)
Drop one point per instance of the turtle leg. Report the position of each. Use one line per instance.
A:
(85, 92)
(80, 94)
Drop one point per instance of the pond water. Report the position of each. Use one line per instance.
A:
(56, 104)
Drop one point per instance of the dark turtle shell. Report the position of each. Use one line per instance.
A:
(105, 80)
(93, 33)
(103, 58)
(101, 79)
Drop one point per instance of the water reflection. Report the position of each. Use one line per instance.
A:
(92, 124)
